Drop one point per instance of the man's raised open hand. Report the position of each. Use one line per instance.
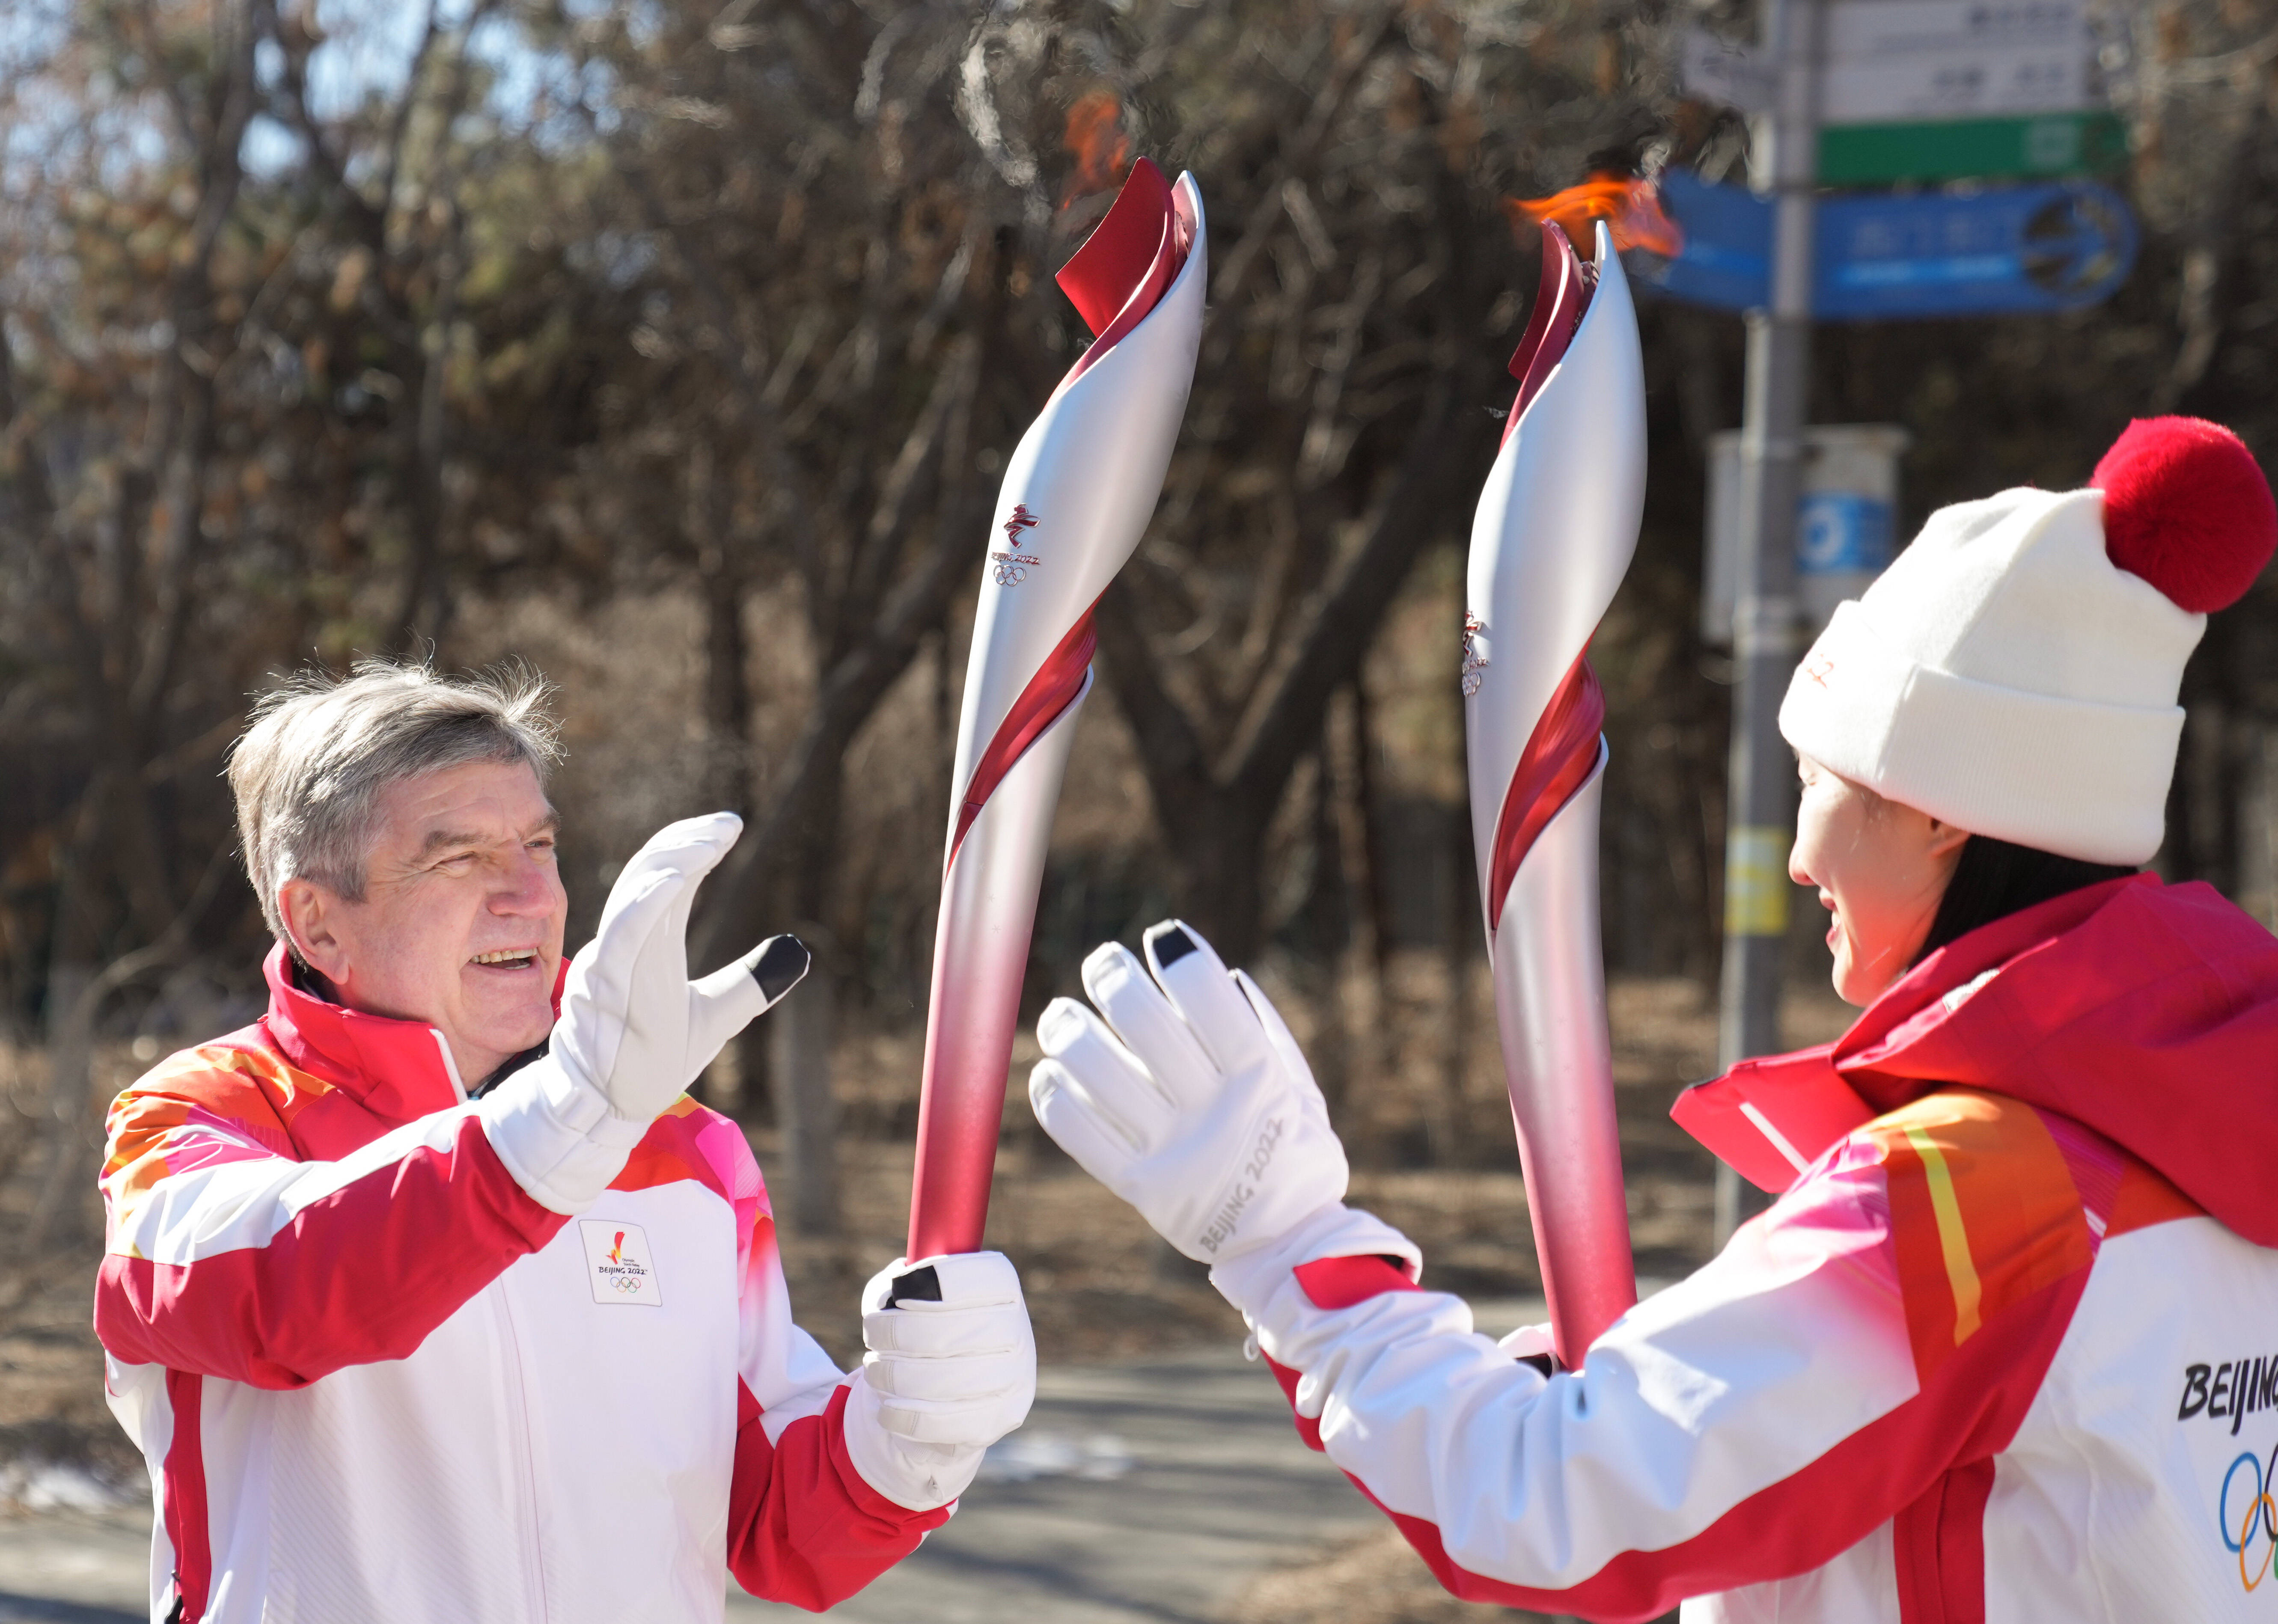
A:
(635, 1032)
(633, 1026)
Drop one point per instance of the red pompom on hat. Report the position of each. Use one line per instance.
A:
(2186, 508)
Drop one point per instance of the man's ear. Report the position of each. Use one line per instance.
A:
(311, 919)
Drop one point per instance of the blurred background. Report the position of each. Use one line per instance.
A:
(674, 349)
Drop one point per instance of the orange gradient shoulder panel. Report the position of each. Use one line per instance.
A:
(217, 1101)
(242, 1083)
(1983, 1214)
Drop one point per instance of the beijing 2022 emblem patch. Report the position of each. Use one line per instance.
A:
(619, 1262)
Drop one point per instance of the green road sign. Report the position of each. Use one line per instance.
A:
(1971, 148)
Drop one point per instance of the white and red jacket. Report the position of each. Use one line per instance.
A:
(2006, 1350)
(373, 1376)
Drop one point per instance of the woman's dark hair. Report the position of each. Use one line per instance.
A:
(1994, 879)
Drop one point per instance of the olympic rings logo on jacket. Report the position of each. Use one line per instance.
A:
(2257, 1528)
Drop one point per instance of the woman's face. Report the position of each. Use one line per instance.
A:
(1881, 869)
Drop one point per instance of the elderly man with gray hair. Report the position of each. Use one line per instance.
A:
(430, 1294)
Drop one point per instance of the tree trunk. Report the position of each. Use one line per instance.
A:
(1215, 812)
(1368, 835)
(1328, 934)
(727, 680)
(1220, 890)
(800, 1032)
(55, 1220)
(1455, 1014)
(70, 1041)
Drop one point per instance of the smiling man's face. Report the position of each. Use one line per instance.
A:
(460, 925)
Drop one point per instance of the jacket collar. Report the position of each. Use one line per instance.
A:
(1770, 1116)
(399, 1069)
(1928, 998)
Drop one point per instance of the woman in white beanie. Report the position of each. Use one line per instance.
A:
(1999, 709)
(2006, 1348)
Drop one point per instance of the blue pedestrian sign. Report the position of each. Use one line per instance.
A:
(2003, 251)
(1842, 532)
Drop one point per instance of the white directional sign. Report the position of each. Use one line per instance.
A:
(1978, 84)
(1910, 60)
(1876, 30)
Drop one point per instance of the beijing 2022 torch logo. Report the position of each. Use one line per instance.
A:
(1474, 662)
(1013, 568)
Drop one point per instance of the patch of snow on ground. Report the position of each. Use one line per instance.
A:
(54, 1485)
(1033, 1453)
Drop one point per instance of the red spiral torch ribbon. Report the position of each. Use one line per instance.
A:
(1561, 754)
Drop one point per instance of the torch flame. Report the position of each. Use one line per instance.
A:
(1629, 202)
(1095, 140)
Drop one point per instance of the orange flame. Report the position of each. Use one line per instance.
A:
(1095, 140)
(1631, 203)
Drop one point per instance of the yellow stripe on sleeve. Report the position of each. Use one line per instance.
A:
(1952, 1239)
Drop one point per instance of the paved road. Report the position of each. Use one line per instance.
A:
(75, 1568)
(1217, 1487)
(1162, 1485)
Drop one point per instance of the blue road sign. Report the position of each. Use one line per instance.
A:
(1842, 532)
(2004, 251)
(1726, 261)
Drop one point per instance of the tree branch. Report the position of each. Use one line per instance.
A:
(196, 359)
(400, 128)
(852, 686)
(1171, 751)
(1346, 615)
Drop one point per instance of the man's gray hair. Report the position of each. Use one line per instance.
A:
(308, 774)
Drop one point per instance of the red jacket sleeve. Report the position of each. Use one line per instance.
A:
(1857, 1357)
(228, 1255)
(802, 1527)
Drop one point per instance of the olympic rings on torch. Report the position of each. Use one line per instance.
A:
(2261, 1512)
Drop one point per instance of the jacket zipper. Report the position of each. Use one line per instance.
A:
(518, 1412)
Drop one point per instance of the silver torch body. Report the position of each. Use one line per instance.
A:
(1555, 530)
(1077, 494)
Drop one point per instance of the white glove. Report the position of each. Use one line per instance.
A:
(1532, 1345)
(633, 1025)
(634, 1030)
(1203, 1115)
(733, 997)
(951, 1368)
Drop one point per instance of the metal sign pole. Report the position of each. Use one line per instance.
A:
(1760, 812)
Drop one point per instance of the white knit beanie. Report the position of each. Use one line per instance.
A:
(2014, 672)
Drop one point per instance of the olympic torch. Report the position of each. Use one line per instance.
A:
(1076, 496)
(1552, 537)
